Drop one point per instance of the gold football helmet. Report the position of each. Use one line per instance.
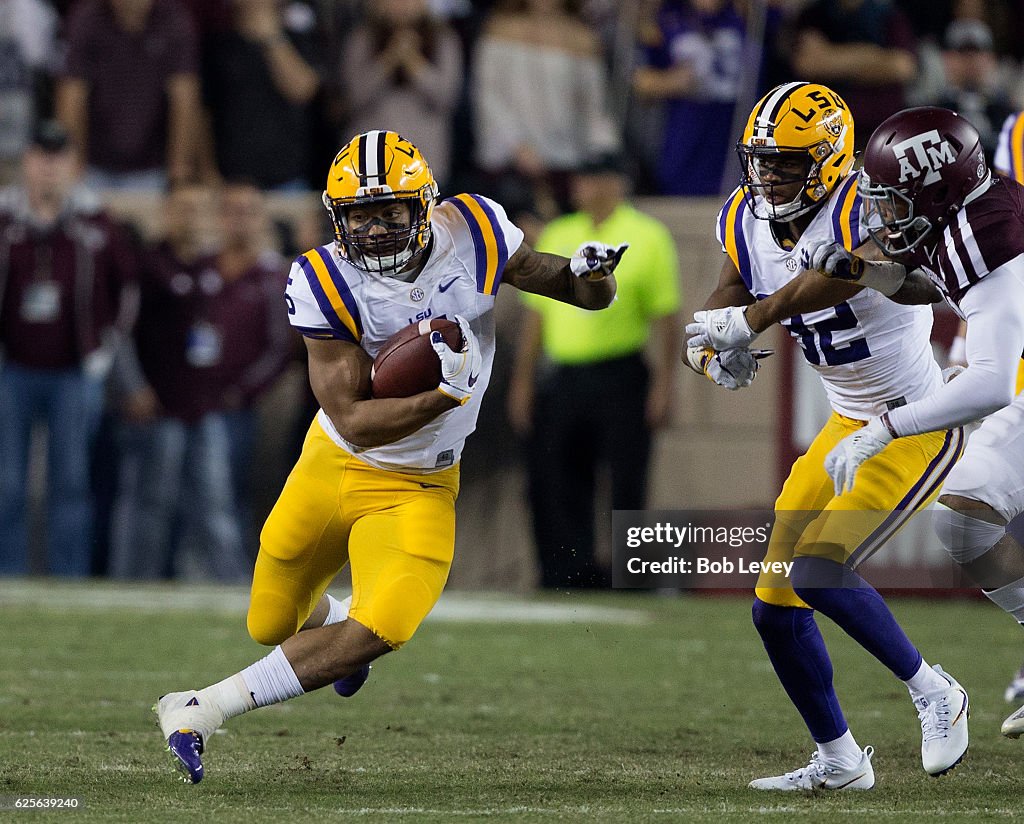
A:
(374, 168)
(798, 133)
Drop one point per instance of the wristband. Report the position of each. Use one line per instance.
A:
(888, 425)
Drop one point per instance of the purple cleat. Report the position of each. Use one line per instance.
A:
(349, 685)
(186, 747)
(186, 723)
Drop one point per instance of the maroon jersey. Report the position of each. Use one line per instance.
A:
(201, 338)
(985, 234)
(63, 288)
(127, 74)
(257, 335)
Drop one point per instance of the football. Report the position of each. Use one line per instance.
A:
(407, 364)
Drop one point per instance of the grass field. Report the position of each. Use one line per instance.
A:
(605, 708)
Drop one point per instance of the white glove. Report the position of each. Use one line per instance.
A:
(720, 329)
(833, 260)
(595, 260)
(846, 456)
(733, 368)
(459, 370)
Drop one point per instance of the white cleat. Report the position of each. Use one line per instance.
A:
(818, 775)
(1013, 727)
(179, 711)
(943, 717)
(186, 723)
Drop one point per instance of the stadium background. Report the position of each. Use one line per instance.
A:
(716, 438)
(570, 706)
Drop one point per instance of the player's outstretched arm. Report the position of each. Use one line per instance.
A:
(339, 373)
(917, 289)
(731, 326)
(810, 291)
(807, 292)
(869, 267)
(587, 281)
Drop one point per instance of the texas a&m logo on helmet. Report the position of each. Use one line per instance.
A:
(923, 154)
(919, 167)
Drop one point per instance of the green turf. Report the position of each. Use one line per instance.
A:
(664, 720)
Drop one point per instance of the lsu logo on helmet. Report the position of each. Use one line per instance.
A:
(798, 133)
(373, 168)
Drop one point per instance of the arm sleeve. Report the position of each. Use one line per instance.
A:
(725, 218)
(122, 261)
(39, 37)
(994, 308)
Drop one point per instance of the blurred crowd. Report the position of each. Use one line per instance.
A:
(144, 362)
(496, 92)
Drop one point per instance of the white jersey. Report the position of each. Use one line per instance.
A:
(329, 298)
(870, 353)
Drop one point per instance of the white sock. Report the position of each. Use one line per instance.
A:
(230, 696)
(924, 681)
(338, 611)
(271, 680)
(843, 752)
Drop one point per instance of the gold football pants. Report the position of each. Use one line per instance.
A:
(396, 529)
(889, 488)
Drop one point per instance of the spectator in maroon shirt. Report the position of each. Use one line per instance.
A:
(67, 297)
(211, 336)
(260, 80)
(257, 335)
(864, 49)
(130, 91)
(209, 16)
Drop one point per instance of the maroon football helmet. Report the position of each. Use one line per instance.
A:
(919, 166)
